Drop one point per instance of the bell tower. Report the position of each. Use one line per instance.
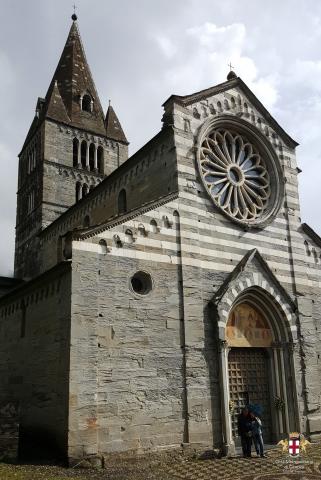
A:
(69, 149)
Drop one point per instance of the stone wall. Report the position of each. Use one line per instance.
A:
(34, 354)
(9, 432)
(126, 366)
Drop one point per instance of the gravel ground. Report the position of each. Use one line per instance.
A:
(275, 466)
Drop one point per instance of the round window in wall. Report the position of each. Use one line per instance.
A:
(141, 283)
(240, 174)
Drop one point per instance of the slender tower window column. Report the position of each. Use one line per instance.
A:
(96, 159)
(79, 154)
(87, 156)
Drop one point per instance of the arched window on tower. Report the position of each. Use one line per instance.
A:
(78, 192)
(86, 104)
(85, 190)
(92, 157)
(122, 202)
(83, 153)
(153, 226)
(103, 247)
(86, 222)
(75, 146)
(100, 159)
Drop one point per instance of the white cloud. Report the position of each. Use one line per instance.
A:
(166, 46)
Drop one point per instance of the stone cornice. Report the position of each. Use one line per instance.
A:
(113, 222)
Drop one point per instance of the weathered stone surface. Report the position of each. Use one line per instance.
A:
(315, 424)
(9, 432)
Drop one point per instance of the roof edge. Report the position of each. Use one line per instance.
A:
(311, 233)
(60, 267)
(119, 219)
(221, 87)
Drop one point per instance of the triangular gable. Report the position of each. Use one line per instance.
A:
(273, 287)
(55, 108)
(222, 87)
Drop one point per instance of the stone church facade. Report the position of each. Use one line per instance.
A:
(158, 294)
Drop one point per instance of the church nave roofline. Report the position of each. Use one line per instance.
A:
(234, 82)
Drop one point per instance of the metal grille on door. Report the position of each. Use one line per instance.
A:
(249, 384)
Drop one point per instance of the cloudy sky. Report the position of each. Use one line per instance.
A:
(141, 51)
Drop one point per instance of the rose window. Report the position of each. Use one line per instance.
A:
(235, 175)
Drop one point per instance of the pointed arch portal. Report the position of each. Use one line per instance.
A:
(256, 364)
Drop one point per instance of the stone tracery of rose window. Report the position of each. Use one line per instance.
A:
(235, 175)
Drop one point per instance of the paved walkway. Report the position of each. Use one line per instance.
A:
(276, 465)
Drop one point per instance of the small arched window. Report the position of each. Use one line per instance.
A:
(85, 190)
(195, 113)
(122, 201)
(129, 236)
(166, 222)
(117, 241)
(141, 230)
(86, 104)
(78, 192)
(153, 226)
(75, 146)
(103, 249)
(307, 248)
(86, 221)
(100, 159)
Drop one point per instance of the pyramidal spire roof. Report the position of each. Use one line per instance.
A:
(71, 83)
(72, 80)
(113, 126)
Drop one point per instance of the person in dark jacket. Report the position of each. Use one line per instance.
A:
(245, 432)
(256, 427)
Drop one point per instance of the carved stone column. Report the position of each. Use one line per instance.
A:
(291, 352)
(279, 388)
(228, 443)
